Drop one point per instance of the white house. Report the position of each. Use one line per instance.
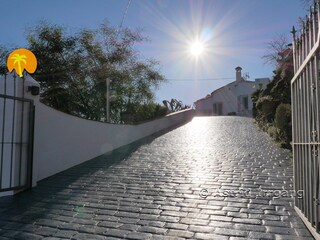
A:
(231, 99)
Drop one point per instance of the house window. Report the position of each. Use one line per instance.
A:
(245, 103)
(217, 108)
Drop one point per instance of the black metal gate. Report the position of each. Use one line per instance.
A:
(16, 134)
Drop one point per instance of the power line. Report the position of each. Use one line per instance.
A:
(125, 14)
(199, 79)
(169, 79)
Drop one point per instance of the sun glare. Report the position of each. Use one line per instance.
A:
(196, 48)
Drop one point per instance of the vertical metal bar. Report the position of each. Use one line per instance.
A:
(318, 18)
(301, 114)
(298, 140)
(299, 93)
(303, 42)
(315, 19)
(308, 39)
(300, 51)
(293, 131)
(297, 53)
(306, 157)
(316, 194)
(317, 105)
(3, 127)
(301, 140)
(314, 219)
(312, 158)
(311, 30)
(304, 177)
(306, 130)
(300, 174)
(13, 127)
(294, 137)
(317, 179)
(317, 85)
(294, 90)
(308, 147)
(30, 144)
(21, 132)
(294, 49)
(300, 43)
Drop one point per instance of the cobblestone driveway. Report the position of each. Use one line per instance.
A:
(154, 192)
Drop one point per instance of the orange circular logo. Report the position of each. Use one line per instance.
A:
(22, 59)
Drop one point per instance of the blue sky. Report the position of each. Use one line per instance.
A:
(234, 32)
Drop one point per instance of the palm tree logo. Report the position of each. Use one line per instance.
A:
(22, 59)
(18, 59)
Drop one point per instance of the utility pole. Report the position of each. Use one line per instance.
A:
(108, 99)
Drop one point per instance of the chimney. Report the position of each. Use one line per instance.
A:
(238, 74)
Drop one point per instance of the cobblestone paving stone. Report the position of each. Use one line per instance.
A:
(154, 193)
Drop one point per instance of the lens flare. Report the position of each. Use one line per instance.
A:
(196, 48)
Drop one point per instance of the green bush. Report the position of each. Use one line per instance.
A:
(283, 123)
(266, 107)
(271, 106)
(138, 113)
(283, 117)
(273, 132)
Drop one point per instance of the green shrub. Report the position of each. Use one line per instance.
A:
(266, 107)
(283, 123)
(273, 132)
(283, 117)
(138, 113)
(284, 144)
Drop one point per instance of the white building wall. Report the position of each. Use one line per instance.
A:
(204, 107)
(232, 97)
(228, 95)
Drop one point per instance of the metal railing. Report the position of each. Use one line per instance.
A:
(305, 119)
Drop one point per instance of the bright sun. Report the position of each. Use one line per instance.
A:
(196, 48)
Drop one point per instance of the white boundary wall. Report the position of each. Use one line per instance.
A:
(62, 141)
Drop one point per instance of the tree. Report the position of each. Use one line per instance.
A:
(277, 93)
(276, 50)
(4, 53)
(72, 70)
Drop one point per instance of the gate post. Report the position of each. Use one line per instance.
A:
(29, 94)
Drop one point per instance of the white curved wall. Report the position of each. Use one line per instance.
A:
(62, 141)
